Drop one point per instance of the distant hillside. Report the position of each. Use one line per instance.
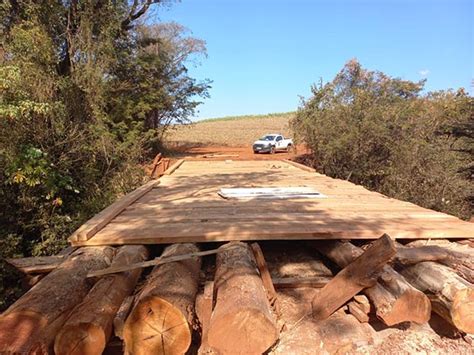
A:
(231, 131)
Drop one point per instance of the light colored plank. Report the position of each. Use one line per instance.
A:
(100, 220)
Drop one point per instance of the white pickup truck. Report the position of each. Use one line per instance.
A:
(270, 143)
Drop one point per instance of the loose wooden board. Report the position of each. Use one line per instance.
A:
(186, 207)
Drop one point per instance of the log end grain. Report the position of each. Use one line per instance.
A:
(85, 338)
(254, 330)
(156, 326)
(412, 305)
(462, 311)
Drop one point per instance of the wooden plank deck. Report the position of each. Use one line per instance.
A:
(185, 207)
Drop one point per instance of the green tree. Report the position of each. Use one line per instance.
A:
(86, 88)
(384, 133)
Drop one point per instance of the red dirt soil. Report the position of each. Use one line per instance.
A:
(234, 153)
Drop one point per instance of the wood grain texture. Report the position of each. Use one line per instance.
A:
(187, 208)
(356, 276)
(100, 220)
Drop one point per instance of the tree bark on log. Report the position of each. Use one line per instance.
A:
(32, 322)
(394, 299)
(121, 316)
(461, 263)
(451, 296)
(242, 321)
(356, 276)
(89, 326)
(162, 318)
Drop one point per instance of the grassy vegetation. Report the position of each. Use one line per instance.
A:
(231, 131)
(246, 117)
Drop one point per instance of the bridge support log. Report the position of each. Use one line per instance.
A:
(89, 327)
(162, 319)
(242, 317)
(451, 296)
(394, 299)
(32, 322)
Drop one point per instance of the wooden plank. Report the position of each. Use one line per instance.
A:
(264, 273)
(301, 166)
(186, 208)
(359, 274)
(297, 282)
(100, 220)
(173, 167)
(158, 261)
(37, 264)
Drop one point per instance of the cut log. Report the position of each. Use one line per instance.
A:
(40, 264)
(32, 322)
(89, 327)
(121, 316)
(452, 297)
(358, 275)
(161, 321)
(363, 302)
(242, 317)
(462, 263)
(358, 312)
(297, 282)
(204, 305)
(394, 299)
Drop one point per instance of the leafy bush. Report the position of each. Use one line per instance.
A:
(385, 134)
(80, 85)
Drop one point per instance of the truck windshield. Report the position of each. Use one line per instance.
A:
(267, 138)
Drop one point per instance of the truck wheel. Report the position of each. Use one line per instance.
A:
(272, 150)
(289, 148)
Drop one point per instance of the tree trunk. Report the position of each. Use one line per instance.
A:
(121, 316)
(359, 274)
(32, 322)
(89, 327)
(241, 322)
(394, 299)
(161, 321)
(462, 263)
(452, 297)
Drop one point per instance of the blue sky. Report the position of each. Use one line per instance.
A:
(264, 54)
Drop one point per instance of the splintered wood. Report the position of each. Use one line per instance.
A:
(186, 207)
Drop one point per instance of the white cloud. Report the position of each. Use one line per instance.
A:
(424, 72)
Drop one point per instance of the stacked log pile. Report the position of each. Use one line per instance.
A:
(237, 308)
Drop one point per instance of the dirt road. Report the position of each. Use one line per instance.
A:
(234, 153)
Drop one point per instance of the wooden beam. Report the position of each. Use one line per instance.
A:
(394, 299)
(264, 273)
(173, 167)
(359, 274)
(297, 282)
(299, 165)
(164, 259)
(204, 306)
(100, 220)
